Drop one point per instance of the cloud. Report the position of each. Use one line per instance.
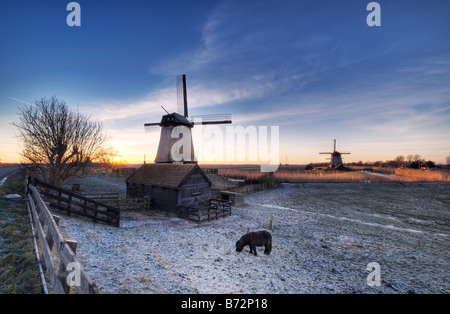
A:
(21, 101)
(291, 74)
(199, 96)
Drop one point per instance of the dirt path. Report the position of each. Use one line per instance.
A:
(5, 172)
(392, 177)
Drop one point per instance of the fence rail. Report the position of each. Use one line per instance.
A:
(62, 266)
(114, 199)
(217, 208)
(73, 203)
(252, 188)
(101, 196)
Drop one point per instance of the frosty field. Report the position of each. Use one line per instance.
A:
(324, 236)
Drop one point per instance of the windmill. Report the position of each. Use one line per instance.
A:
(336, 159)
(176, 124)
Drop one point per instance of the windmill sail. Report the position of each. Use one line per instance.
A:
(173, 122)
(182, 95)
(222, 118)
(151, 127)
(335, 156)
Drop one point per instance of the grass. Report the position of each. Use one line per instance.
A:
(19, 272)
(304, 176)
(321, 176)
(327, 177)
(418, 175)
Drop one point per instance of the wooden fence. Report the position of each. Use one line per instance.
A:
(217, 208)
(115, 200)
(64, 270)
(103, 196)
(74, 203)
(252, 188)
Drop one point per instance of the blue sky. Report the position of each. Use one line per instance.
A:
(313, 68)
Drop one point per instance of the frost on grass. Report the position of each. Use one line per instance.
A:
(325, 236)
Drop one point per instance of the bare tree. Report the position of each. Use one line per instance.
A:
(399, 160)
(58, 142)
(107, 157)
(409, 159)
(417, 157)
(447, 159)
(111, 159)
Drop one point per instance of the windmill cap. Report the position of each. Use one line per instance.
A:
(175, 119)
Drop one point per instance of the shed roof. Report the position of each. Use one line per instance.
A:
(164, 174)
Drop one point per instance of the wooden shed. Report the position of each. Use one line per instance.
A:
(237, 199)
(171, 186)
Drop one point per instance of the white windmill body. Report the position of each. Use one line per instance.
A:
(176, 126)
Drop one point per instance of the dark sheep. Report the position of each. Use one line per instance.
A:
(254, 239)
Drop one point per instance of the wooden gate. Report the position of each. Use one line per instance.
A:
(217, 208)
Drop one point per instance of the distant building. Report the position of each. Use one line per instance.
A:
(336, 159)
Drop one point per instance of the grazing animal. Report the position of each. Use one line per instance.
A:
(254, 239)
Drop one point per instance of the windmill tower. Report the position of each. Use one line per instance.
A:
(175, 182)
(175, 144)
(335, 159)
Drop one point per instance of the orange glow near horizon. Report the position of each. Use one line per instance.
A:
(134, 152)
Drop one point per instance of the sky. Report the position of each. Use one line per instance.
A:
(314, 69)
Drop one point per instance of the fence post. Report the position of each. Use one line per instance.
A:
(59, 201)
(69, 206)
(95, 213)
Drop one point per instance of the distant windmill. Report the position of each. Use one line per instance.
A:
(173, 120)
(335, 159)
